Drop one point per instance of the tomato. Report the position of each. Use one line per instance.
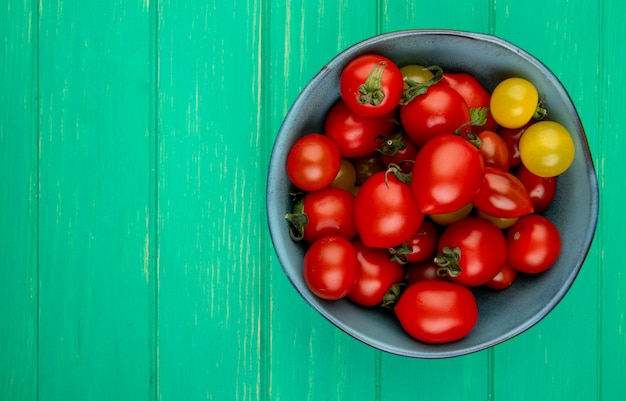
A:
(441, 110)
(397, 149)
(502, 195)
(471, 251)
(376, 273)
(448, 172)
(421, 246)
(328, 211)
(474, 94)
(371, 85)
(445, 219)
(546, 148)
(416, 73)
(533, 244)
(541, 190)
(494, 150)
(313, 162)
(420, 271)
(504, 279)
(330, 267)
(501, 222)
(355, 135)
(346, 177)
(514, 102)
(367, 166)
(511, 137)
(436, 311)
(385, 211)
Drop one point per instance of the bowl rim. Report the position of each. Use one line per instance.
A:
(355, 49)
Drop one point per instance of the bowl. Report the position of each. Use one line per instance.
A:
(574, 210)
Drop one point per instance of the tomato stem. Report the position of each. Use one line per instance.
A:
(540, 112)
(399, 253)
(396, 170)
(390, 146)
(448, 261)
(392, 296)
(371, 91)
(298, 220)
(415, 89)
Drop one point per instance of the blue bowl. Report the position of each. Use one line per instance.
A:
(574, 210)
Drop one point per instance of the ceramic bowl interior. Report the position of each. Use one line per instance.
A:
(503, 314)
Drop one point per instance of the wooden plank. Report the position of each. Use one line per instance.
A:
(18, 201)
(609, 161)
(96, 293)
(210, 181)
(559, 357)
(309, 358)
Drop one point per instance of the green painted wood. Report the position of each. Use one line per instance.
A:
(96, 328)
(18, 201)
(135, 260)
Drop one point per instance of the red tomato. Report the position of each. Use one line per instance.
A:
(376, 273)
(398, 149)
(441, 110)
(541, 190)
(355, 135)
(504, 279)
(420, 271)
(511, 137)
(472, 250)
(421, 246)
(533, 244)
(313, 162)
(328, 211)
(385, 211)
(371, 85)
(502, 195)
(330, 267)
(494, 150)
(436, 311)
(448, 172)
(474, 94)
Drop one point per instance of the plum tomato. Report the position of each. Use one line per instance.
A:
(471, 251)
(421, 246)
(330, 267)
(502, 195)
(355, 135)
(441, 110)
(494, 150)
(546, 148)
(328, 211)
(474, 94)
(533, 244)
(514, 102)
(447, 174)
(376, 273)
(437, 311)
(385, 211)
(541, 190)
(371, 85)
(313, 162)
(504, 279)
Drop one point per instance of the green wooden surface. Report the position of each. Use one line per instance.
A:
(135, 260)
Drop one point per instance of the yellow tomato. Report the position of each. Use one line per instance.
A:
(546, 149)
(514, 102)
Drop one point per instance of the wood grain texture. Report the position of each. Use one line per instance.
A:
(135, 259)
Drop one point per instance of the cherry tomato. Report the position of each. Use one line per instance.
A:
(541, 190)
(330, 267)
(371, 85)
(397, 149)
(416, 73)
(313, 162)
(386, 213)
(420, 271)
(355, 135)
(514, 102)
(445, 219)
(511, 137)
(376, 273)
(502, 195)
(471, 251)
(328, 211)
(441, 110)
(436, 311)
(448, 172)
(494, 150)
(504, 279)
(546, 148)
(533, 244)
(367, 166)
(346, 177)
(421, 246)
(474, 94)
(501, 222)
